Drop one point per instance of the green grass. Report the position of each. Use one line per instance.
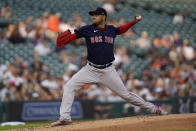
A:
(27, 125)
(36, 124)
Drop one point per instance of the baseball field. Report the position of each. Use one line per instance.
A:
(174, 122)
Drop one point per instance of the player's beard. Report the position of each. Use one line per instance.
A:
(98, 22)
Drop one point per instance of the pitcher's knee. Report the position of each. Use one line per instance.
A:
(68, 89)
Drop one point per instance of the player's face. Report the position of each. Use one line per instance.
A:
(97, 19)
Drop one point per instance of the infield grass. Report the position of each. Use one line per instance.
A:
(35, 124)
(27, 125)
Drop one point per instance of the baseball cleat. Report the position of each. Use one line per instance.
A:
(161, 111)
(61, 123)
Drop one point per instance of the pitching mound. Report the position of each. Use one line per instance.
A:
(141, 123)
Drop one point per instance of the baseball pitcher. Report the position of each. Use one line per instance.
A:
(99, 68)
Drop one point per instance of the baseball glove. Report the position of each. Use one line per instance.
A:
(64, 38)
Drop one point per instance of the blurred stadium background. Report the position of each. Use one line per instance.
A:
(156, 58)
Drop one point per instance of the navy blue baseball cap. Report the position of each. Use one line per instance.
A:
(98, 11)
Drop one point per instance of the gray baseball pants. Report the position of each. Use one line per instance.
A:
(108, 77)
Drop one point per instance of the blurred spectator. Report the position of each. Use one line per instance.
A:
(172, 87)
(109, 6)
(50, 83)
(117, 57)
(12, 76)
(37, 35)
(157, 63)
(113, 97)
(53, 22)
(79, 42)
(113, 22)
(83, 62)
(173, 55)
(65, 26)
(167, 41)
(36, 65)
(42, 21)
(186, 16)
(100, 94)
(174, 72)
(5, 12)
(42, 48)
(5, 92)
(39, 30)
(122, 21)
(10, 30)
(130, 83)
(63, 57)
(29, 23)
(14, 35)
(145, 93)
(123, 77)
(177, 40)
(3, 39)
(18, 62)
(178, 18)
(158, 42)
(74, 59)
(130, 33)
(143, 41)
(31, 34)
(3, 69)
(121, 56)
(78, 22)
(187, 51)
(22, 29)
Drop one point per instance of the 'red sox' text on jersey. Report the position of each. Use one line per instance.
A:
(100, 42)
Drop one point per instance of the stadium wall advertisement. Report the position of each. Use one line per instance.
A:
(185, 105)
(124, 109)
(84, 109)
(48, 111)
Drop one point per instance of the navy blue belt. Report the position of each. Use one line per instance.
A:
(100, 66)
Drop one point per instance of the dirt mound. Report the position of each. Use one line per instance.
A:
(141, 123)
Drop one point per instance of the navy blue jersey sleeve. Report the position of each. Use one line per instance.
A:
(82, 32)
(116, 29)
